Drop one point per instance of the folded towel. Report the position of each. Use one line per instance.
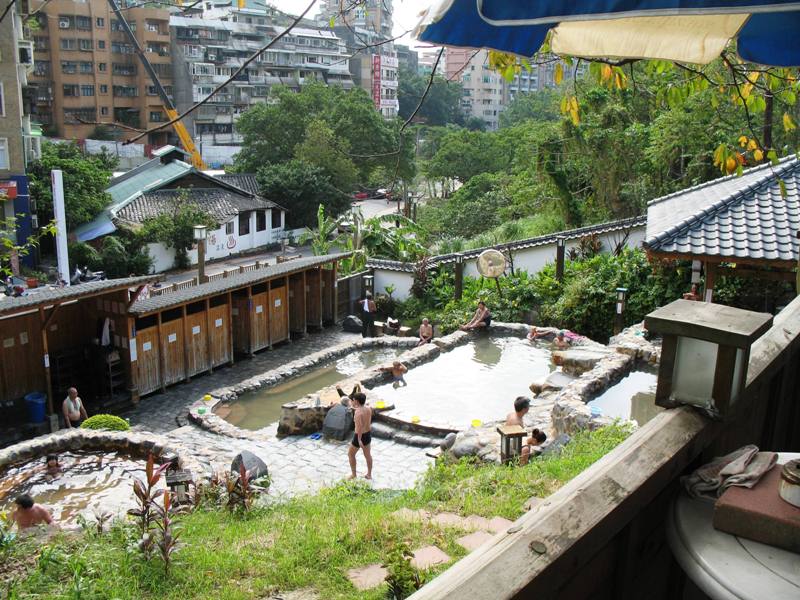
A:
(742, 467)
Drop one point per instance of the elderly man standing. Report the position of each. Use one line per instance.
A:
(73, 409)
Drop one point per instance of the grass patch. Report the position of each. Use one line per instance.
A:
(306, 542)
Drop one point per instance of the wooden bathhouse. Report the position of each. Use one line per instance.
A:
(119, 339)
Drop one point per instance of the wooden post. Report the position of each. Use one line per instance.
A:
(201, 262)
(186, 342)
(250, 312)
(209, 337)
(458, 288)
(162, 363)
(560, 255)
(305, 304)
(268, 312)
(288, 309)
(335, 294)
(131, 369)
(711, 276)
(230, 326)
(46, 360)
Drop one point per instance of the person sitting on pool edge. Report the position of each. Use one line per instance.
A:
(425, 332)
(73, 409)
(29, 514)
(397, 370)
(480, 320)
(521, 407)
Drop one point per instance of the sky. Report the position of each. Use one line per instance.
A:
(404, 18)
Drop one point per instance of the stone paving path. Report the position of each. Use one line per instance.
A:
(158, 412)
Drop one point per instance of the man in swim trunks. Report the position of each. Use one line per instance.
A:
(425, 333)
(397, 370)
(561, 342)
(73, 409)
(481, 320)
(521, 407)
(362, 437)
(29, 514)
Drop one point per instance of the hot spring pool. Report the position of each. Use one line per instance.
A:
(259, 409)
(87, 483)
(632, 398)
(478, 380)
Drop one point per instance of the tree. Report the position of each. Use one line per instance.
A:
(322, 236)
(176, 229)
(271, 130)
(463, 154)
(86, 177)
(322, 149)
(442, 105)
(301, 187)
(541, 105)
(9, 247)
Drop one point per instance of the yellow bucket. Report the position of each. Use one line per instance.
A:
(415, 419)
(380, 404)
(476, 423)
(207, 398)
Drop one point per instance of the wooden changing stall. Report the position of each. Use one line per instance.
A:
(328, 275)
(314, 298)
(278, 310)
(297, 303)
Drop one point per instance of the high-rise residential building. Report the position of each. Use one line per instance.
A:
(407, 58)
(19, 144)
(206, 52)
(484, 91)
(427, 58)
(87, 72)
(366, 28)
(541, 76)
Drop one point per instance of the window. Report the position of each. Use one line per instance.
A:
(69, 67)
(120, 48)
(76, 115)
(244, 223)
(41, 43)
(86, 45)
(104, 110)
(87, 90)
(103, 88)
(41, 68)
(261, 220)
(103, 67)
(156, 116)
(4, 154)
(68, 44)
(152, 91)
(101, 44)
(87, 66)
(2, 101)
(229, 228)
(125, 91)
(70, 90)
(100, 22)
(83, 22)
(126, 69)
(276, 218)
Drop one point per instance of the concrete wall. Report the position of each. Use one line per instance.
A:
(531, 260)
(221, 244)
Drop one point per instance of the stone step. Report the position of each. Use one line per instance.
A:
(410, 438)
(366, 578)
(428, 557)
(474, 540)
(448, 519)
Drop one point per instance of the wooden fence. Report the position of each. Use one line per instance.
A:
(603, 535)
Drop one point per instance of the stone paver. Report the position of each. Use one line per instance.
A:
(158, 412)
(474, 540)
(498, 524)
(366, 578)
(428, 557)
(406, 514)
(447, 519)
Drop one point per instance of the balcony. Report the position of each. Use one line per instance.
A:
(25, 55)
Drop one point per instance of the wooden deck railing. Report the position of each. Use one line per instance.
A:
(603, 534)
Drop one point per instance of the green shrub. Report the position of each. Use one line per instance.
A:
(110, 422)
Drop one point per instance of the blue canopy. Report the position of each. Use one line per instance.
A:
(766, 31)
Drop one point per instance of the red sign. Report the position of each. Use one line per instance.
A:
(8, 190)
(376, 80)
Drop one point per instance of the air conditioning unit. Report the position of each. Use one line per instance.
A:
(63, 23)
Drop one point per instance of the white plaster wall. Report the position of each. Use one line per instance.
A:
(401, 281)
(163, 258)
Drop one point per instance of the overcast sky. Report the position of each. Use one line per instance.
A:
(404, 18)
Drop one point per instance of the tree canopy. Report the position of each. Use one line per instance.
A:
(86, 177)
(442, 105)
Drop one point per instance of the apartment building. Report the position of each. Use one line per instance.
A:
(19, 143)
(366, 28)
(206, 52)
(541, 76)
(407, 58)
(86, 70)
(427, 58)
(485, 93)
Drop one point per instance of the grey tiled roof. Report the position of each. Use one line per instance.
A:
(55, 295)
(219, 286)
(244, 181)
(443, 259)
(219, 203)
(744, 218)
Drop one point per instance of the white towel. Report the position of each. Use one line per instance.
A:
(743, 467)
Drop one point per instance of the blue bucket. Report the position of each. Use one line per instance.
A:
(35, 401)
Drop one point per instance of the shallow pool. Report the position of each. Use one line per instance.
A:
(259, 409)
(86, 483)
(478, 380)
(632, 398)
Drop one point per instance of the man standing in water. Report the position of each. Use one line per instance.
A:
(29, 514)
(362, 436)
